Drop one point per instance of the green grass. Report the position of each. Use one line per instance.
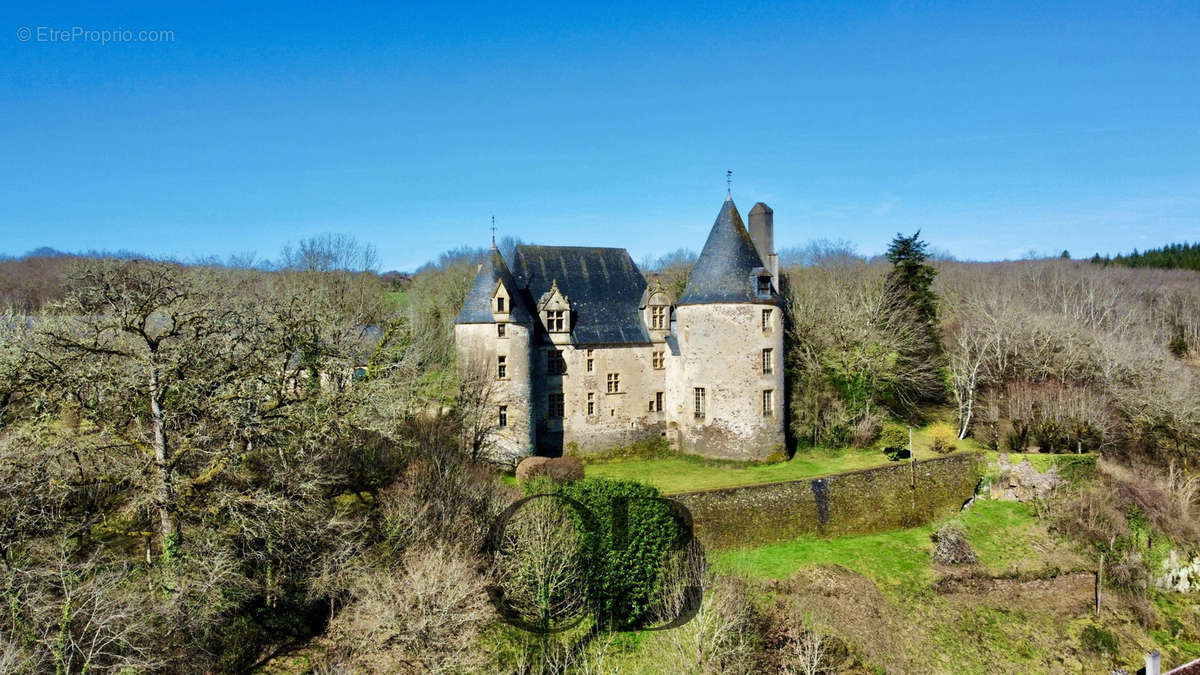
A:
(682, 473)
(897, 559)
(1005, 536)
(395, 301)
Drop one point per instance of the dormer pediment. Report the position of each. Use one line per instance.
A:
(655, 294)
(553, 300)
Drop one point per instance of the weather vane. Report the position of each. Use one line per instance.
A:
(493, 231)
(729, 182)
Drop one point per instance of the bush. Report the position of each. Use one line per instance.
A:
(557, 469)
(951, 546)
(777, 457)
(894, 440)
(944, 438)
(623, 564)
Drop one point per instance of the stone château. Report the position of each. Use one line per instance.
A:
(585, 355)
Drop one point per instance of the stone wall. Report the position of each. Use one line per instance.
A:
(721, 350)
(858, 502)
(478, 346)
(617, 418)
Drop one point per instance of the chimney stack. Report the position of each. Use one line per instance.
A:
(762, 233)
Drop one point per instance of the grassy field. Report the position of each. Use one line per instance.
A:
(1005, 536)
(684, 473)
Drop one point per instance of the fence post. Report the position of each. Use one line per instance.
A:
(912, 460)
(1099, 582)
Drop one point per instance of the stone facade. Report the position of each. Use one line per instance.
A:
(587, 356)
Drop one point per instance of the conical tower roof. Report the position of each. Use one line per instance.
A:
(478, 306)
(729, 265)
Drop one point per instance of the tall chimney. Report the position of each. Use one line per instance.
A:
(762, 233)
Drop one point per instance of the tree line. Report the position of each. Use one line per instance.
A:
(1172, 256)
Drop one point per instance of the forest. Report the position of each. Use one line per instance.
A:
(215, 466)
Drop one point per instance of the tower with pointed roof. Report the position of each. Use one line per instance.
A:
(728, 380)
(493, 336)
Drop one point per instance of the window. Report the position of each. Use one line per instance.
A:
(658, 401)
(503, 416)
(591, 408)
(766, 321)
(698, 396)
(555, 365)
(614, 383)
(657, 360)
(768, 367)
(768, 403)
(764, 284)
(658, 317)
(501, 330)
(556, 320)
(500, 305)
(501, 367)
(650, 407)
(555, 404)
(591, 362)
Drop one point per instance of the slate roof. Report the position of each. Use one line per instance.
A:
(478, 306)
(725, 271)
(603, 286)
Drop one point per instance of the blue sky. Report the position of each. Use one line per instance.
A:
(996, 128)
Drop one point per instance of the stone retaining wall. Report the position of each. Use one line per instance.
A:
(871, 500)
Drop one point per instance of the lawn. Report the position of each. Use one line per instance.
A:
(686, 473)
(1005, 536)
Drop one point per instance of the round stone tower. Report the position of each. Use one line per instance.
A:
(727, 388)
(493, 336)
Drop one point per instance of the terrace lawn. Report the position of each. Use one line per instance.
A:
(1006, 536)
(685, 473)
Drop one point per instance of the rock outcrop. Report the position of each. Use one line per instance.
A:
(1021, 482)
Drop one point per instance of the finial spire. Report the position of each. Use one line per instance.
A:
(493, 231)
(729, 183)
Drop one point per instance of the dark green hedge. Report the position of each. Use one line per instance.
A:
(625, 552)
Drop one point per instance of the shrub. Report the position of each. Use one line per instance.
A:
(622, 559)
(951, 546)
(777, 457)
(944, 438)
(557, 469)
(894, 440)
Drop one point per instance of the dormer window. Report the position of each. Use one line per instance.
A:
(658, 317)
(499, 305)
(555, 309)
(764, 284)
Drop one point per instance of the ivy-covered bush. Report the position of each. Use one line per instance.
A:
(625, 549)
(894, 440)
